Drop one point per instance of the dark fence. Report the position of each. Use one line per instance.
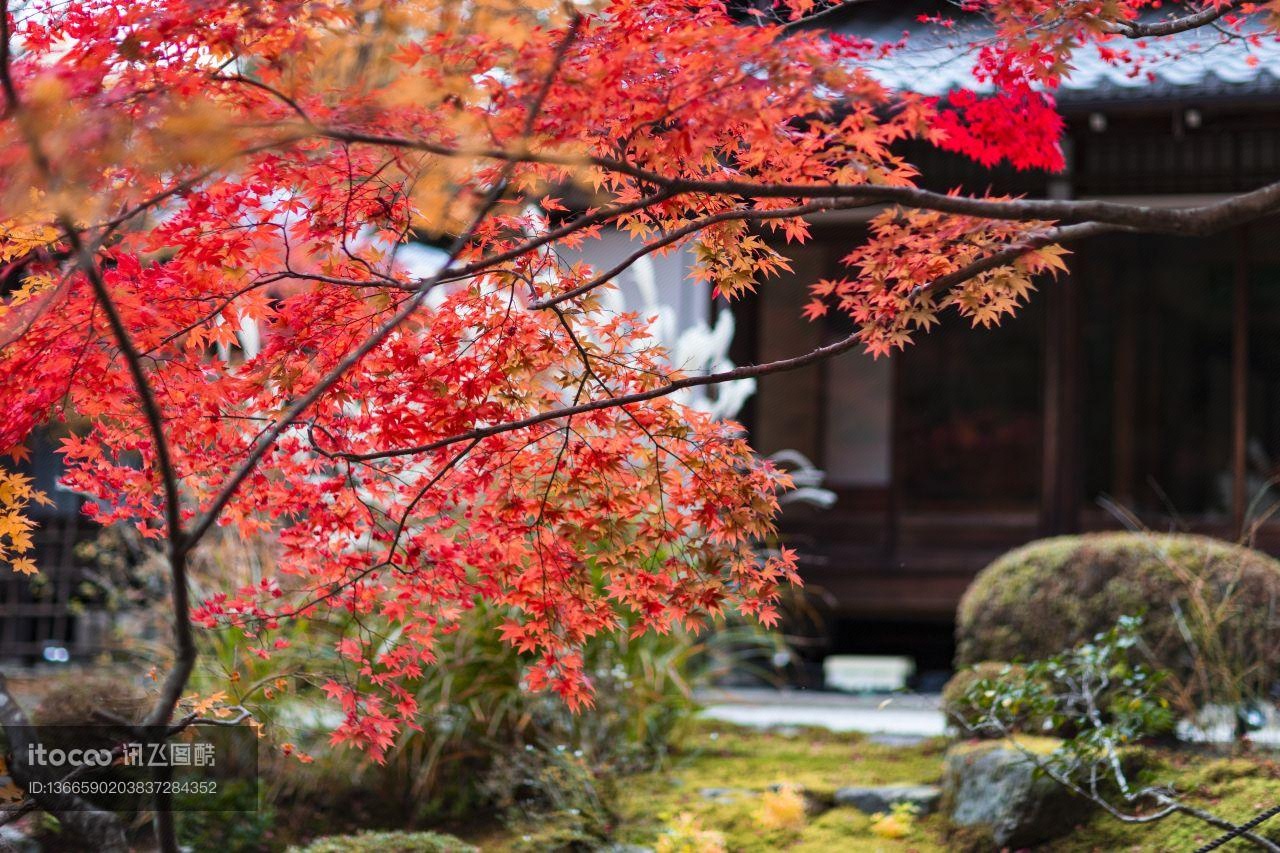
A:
(52, 617)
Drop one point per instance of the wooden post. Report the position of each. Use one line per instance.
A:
(1052, 414)
(1060, 485)
(1059, 510)
(1069, 481)
(1124, 402)
(1240, 384)
(893, 505)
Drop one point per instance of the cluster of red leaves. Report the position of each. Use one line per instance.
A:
(890, 297)
(1022, 128)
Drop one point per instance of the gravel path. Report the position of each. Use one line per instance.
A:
(907, 716)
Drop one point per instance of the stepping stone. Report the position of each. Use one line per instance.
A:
(723, 795)
(883, 798)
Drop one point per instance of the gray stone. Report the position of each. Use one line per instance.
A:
(722, 795)
(883, 798)
(994, 786)
(896, 740)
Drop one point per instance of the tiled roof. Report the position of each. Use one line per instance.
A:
(1194, 64)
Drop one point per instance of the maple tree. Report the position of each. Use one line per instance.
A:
(201, 210)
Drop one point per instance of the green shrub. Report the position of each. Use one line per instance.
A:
(554, 796)
(957, 694)
(1211, 610)
(388, 842)
(1091, 692)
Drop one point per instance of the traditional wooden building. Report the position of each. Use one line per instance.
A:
(1143, 388)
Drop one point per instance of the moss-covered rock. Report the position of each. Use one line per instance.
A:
(994, 788)
(1048, 596)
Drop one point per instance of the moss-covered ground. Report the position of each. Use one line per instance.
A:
(746, 765)
(1233, 788)
(750, 763)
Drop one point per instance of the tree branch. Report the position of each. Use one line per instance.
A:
(1172, 26)
(746, 371)
(1187, 220)
(6, 61)
(1191, 220)
(822, 15)
(738, 214)
(1011, 253)
(185, 651)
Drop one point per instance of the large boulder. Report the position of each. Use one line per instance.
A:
(1051, 595)
(992, 788)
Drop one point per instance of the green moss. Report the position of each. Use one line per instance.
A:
(388, 842)
(1235, 789)
(718, 755)
(821, 761)
(849, 829)
(1031, 743)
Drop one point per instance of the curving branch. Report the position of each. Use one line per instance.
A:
(1173, 26)
(185, 652)
(1189, 220)
(749, 371)
(678, 234)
